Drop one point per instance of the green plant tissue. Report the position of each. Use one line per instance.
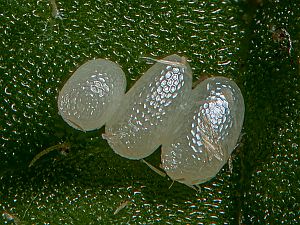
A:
(255, 43)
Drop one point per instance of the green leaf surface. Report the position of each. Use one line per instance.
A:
(244, 41)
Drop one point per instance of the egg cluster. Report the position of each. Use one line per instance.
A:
(197, 129)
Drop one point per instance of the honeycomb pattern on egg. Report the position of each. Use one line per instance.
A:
(149, 108)
(198, 129)
(91, 95)
(91, 91)
(166, 88)
(203, 145)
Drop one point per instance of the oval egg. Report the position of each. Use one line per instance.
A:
(196, 151)
(150, 108)
(92, 94)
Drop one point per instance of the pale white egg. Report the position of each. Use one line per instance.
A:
(196, 151)
(150, 109)
(92, 94)
(198, 129)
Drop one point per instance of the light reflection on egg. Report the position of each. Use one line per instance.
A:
(92, 94)
(197, 128)
(208, 134)
(148, 110)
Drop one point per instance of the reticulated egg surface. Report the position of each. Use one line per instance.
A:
(149, 108)
(92, 94)
(86, 97)
(199, 150)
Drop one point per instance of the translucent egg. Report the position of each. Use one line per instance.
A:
(199, 148)
(92, 94)
(150, 109)
(198, 129)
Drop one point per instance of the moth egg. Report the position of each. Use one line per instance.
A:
(92, 94)
(205, 139)
(139, 137)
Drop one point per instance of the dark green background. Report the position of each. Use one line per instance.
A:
(229, 38)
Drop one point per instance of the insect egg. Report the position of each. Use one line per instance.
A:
(197, 128)
(92, 94)
(197, 151)
(150, 108)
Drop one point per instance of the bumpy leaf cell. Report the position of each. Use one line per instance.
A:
(38, 54)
